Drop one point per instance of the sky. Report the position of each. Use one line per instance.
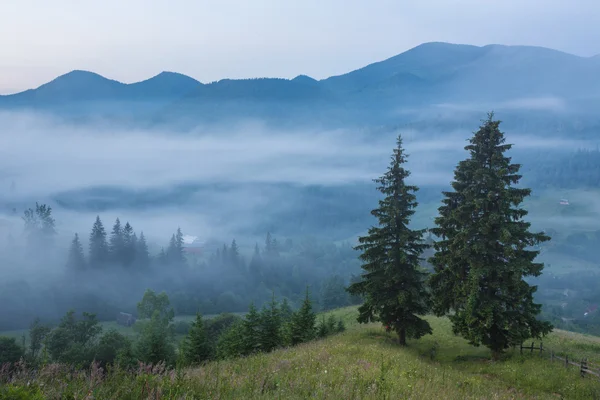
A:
(213, 39)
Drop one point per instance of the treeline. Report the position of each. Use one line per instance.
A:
(79, 342)
(483, 252)
(109, 273)
(578, 169)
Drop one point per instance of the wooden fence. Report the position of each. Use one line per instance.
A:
(585, 367)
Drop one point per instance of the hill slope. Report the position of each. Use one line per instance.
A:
(362, 363)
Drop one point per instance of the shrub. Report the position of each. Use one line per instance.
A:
(10, 351)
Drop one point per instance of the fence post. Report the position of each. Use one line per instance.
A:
(541, 348)
(581, 369)
(521, 348)
(566, 361)
(532, 345)
(552, 356)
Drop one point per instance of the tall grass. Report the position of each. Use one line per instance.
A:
(362, 363)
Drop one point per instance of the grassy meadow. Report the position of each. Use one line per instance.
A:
(364, 362)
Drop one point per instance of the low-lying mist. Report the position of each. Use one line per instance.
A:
(311, 189)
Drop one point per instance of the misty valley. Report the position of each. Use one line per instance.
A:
(168, 225)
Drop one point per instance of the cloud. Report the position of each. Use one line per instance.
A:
(547, 103)
(44, 156)
(242, 177)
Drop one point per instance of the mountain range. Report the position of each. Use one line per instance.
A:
(433, 76)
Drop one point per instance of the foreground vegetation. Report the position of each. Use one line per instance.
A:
(362, 362)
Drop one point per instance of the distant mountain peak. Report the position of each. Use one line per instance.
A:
(305, 79)
(173, 75)
(78, 76)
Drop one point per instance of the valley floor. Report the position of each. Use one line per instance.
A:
(366, 363)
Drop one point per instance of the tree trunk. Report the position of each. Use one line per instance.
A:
(496, 355)
(402, 337)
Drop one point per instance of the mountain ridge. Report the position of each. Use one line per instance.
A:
(436, 45)
(425, 75)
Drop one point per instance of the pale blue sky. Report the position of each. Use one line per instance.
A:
(131, 40)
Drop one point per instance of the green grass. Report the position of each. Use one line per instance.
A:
(362, 363)
(366, 362)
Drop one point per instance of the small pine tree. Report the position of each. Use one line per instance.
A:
(302, 325)
(393, 282)
(322, 328)
(76, 259)
(270, 327)
(482, 255)
(231, 343)
(341, 327)
(98, 247)
(251, 331)
(196, 347)
(285, 310)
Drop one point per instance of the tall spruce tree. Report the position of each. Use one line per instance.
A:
(255, 266)
(142, 255)
(270, 332)
(175, 251)
(484, 249)
(98, 247)
(129, 243)
(196, 346)
(302, 325)
(116, 244)
(234, 254)
(251, 331)
(393, 283)
(76, 258)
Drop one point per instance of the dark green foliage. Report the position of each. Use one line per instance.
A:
(270, 327)
(113, 347)
(232, 342)
(393, 284)
(98, 252)
(302, 326)
(219, 324)
(251, 331)
(482, 253)
(76, 258)
(196, 347)
(285, 310)
(330, 326)
(10, 351)
(182, 327)
(37, 335)
(153, 303)
(322, 328)
(155, 341)
(74, 341)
